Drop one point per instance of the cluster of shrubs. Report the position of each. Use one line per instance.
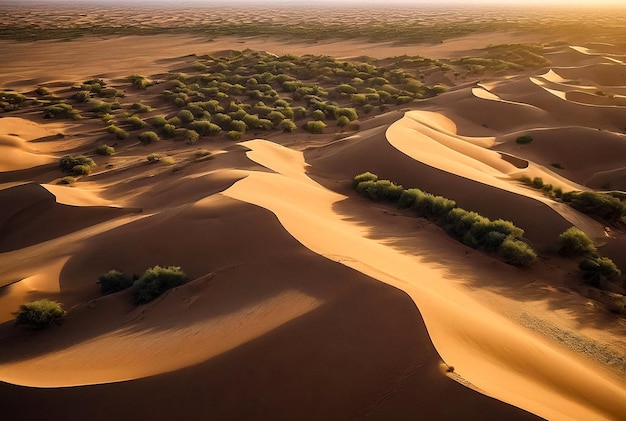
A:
(595, 270)
(77, 165)
(154, 282)
(10, 101)
(610, 207)
(470, 227)
(39, 314)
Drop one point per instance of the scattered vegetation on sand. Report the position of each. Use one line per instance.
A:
(148, 137)
(114, 281)
(155, 281)
(470, 227)
(39, 314)
(61, 110)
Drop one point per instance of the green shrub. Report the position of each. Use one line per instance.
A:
(234, 135)
(117, 131)
(136, 122)
(204, 127)
(201, 153)
(169, 130)
(597, 270)
(81, 170)
(39, 314)
(41, 90)
(148, 137)
(68, 163)
(602, 205)
(105, 149)
(409, 197)
(153, 157)
(516, 252)
(343, 121)
(155, 281)
(113, 281)
(191, 136)
(139, 82)
(82, 96)
(366, 176)
(524, 139)
(67, 180)
(287, 125)
(158, 121)
(140, 108)
(575, 242)
(380, 190)
(537, 182)
(347, 112)
(61, 110)
(440, 206)
(100, 107)
(315, 126)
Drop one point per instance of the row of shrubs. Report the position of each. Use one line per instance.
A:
(470, 227)
(609, 207)
(154, 282)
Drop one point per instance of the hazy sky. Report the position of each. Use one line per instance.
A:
(350, 2)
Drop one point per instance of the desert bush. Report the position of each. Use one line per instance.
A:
(598, 270)
(113, 281)
(148, 137)
(191, 136)
(234, 135)
(287, 125)
(82, 96)
(575, 242)
(61, 110)
(153, 157)
(366, 176)
(343, 121)
(139, 82)
(69, 163)
(136, 122)
(201, 153)
(603, 205)
(380, 190)
(155, 281)
(351, 113)
(185, 116)
(169, 130)
(140, 108)
(158, 121)
(409, 197)
(105, 149)
(100, 107)
(204, 128)
(537, 182)
(516, 252)
(39, 314)
(440, 206)
(238, 125)
(67, 180)
(117, 131)
(524, 139)
(42, 90)
(314, 126)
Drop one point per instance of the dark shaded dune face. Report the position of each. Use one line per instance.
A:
(578, 153)
(32, 215)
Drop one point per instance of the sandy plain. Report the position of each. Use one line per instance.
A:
(307, 301)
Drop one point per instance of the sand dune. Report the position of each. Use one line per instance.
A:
(306, 301)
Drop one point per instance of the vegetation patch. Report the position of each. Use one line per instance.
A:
(470, 227)
(155, 281)
(39, 314)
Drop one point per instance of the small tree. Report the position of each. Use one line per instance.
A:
(155, 281)
(574, 242)
(39, 314)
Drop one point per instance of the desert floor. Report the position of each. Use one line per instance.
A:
(307, 300)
